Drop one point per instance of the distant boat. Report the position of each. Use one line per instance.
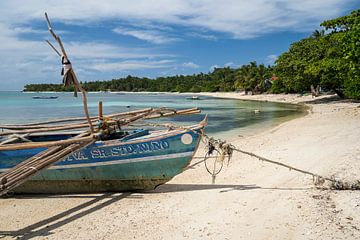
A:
(45, 97)
(193, 98)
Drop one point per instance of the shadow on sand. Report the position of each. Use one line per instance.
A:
(331, 99)
(44, 227)
(168, 188)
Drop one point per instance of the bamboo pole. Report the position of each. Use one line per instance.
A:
(55, 128)
(19, 168)
(14, 138)
(100, 109)
(79, 126)
(52, 46)
(18, 179)
(76, 82)
(24, 164)
(48, 129)
(41, 162)
(180, 112)
(44, 128)
(19, 146)
(28, 145)
(84, 97)
(41, 124)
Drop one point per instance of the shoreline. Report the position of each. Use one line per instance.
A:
(250, 200)
(220, 132)
(277, 98)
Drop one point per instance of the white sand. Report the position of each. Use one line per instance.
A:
(251, 199)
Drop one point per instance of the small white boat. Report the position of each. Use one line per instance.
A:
(193, 98)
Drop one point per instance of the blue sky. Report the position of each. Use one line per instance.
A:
(113, 38)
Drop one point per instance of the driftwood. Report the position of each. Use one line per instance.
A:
(315, 92)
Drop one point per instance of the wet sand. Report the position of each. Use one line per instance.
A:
(250, 200)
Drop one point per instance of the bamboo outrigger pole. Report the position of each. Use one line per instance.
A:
(69, 72)
(49, 126)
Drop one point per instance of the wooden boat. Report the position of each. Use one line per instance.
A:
(140, 160)
(34, 159)
(45, 97)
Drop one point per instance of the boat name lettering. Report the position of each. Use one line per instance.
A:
(145, 147)
(77, 156)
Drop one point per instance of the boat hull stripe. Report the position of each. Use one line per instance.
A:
(122, 161)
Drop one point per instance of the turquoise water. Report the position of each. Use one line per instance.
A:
(224, 114)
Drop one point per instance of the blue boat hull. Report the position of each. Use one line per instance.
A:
(116, 165)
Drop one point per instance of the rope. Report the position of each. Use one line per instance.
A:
(220, 150)
(226, 150)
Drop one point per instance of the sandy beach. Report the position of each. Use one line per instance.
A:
(250, 200)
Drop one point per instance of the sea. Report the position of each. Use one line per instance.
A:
(227, 117)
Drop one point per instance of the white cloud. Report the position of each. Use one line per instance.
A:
(213, 67)
(29, 61)
(229, 64)
(152, 36)
(240, 19)
(130, 65)
(205, 36)
(190, 65)
(151, 21)
(104, 50)
(270, 59)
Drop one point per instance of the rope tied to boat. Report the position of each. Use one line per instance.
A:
(220, 150)
(217, 151)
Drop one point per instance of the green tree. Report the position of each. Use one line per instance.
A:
(329, 59)
(251, 77)
(346, 31)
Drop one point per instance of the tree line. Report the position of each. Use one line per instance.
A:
(329, 58)
(220, 79)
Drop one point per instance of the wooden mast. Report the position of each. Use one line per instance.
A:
(76, 82)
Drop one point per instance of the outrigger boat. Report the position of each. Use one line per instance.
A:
(138, 160)
(45, 157)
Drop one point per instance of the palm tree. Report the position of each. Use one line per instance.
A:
(318, 34)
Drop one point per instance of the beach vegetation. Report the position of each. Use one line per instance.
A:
(328, 59)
